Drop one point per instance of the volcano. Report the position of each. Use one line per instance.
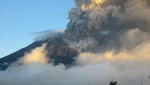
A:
(104, 40)
(94, 26)
(58, 51)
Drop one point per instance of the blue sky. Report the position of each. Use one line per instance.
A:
(20, 18)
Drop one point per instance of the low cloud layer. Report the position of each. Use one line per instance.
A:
(99, 74)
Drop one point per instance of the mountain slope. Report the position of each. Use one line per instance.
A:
(58, 52)
(7, 60)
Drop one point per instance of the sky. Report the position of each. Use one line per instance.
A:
(19, 19)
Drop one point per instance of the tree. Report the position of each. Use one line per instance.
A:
(113, 83)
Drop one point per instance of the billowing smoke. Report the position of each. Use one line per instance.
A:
(91, 18)
(104, 40)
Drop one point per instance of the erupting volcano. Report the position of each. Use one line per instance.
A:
(109, 37)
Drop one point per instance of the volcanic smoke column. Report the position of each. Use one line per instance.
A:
(104, 21)
(86, 20)
(91, 20)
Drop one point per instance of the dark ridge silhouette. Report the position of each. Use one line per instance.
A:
(7, 60)
(59, 52)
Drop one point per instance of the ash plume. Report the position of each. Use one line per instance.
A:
(114, 16)
(104, 40)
